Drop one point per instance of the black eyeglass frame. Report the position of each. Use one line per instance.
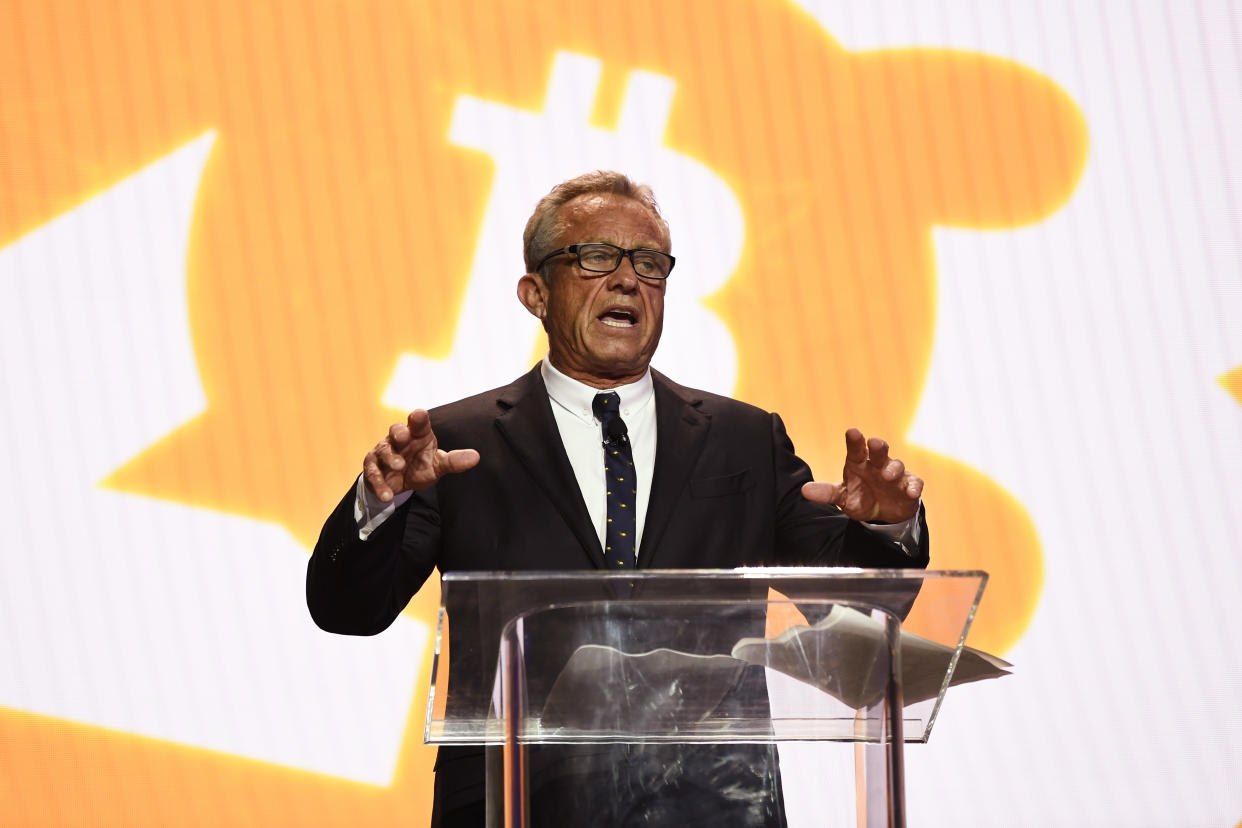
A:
(625, 254)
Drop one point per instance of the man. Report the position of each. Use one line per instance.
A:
(512, 478)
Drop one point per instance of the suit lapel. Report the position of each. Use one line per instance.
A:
(681, 430)
(527, 425)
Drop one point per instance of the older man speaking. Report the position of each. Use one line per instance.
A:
(521, 478)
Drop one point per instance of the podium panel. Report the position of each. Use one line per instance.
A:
(658, 697)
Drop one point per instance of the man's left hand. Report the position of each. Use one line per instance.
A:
(874, 487)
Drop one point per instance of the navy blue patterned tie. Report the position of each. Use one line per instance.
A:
(620, 482)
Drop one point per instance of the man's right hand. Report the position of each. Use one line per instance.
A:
(409, 459)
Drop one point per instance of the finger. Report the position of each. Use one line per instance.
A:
(877, 452)
(398, 435)
(893, 471)
(827, 493)
(388, 458)
(375, 478)
(914, 487)
(855, 446)
(458, 460)
(419, 422)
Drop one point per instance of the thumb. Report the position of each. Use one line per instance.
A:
(458, 460)
(827, 493)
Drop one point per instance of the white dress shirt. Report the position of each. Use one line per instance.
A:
(584, 440)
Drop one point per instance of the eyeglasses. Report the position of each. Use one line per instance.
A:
(602, 258)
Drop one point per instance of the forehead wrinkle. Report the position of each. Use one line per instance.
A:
(595, 206)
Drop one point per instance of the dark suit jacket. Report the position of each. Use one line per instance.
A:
(726, 492)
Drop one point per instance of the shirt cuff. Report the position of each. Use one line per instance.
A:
(369, 511)
(907, 533)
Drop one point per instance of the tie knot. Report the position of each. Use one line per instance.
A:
(606, 406)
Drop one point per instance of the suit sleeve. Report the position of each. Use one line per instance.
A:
(359, 587)
(820, 535)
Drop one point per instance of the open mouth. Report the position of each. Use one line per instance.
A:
(619, 318)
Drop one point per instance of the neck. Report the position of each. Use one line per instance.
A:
(594, 380)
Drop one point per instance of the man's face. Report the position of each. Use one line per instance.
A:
(602, 329)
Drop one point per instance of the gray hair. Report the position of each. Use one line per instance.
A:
(544, 226)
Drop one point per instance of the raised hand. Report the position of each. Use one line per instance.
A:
(874, 487)
(409, 459)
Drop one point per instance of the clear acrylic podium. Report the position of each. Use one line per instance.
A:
(639, 693)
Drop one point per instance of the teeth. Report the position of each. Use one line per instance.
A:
(618, 319)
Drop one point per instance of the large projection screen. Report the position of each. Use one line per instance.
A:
(239, 239)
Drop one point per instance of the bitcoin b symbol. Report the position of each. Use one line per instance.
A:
(533, 151)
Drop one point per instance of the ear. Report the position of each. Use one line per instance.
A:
(532, 292)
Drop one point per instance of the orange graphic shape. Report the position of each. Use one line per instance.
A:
(1232, 381)
(335, 227)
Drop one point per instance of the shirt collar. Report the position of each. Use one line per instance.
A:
(576, 397)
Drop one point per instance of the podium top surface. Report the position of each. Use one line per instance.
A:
(746, 655)
(745, 573)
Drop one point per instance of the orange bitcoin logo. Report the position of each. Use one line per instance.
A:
(337, 230)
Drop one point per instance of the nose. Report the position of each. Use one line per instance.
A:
(624, 278)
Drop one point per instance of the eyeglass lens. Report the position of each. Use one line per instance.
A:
(605, 258)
